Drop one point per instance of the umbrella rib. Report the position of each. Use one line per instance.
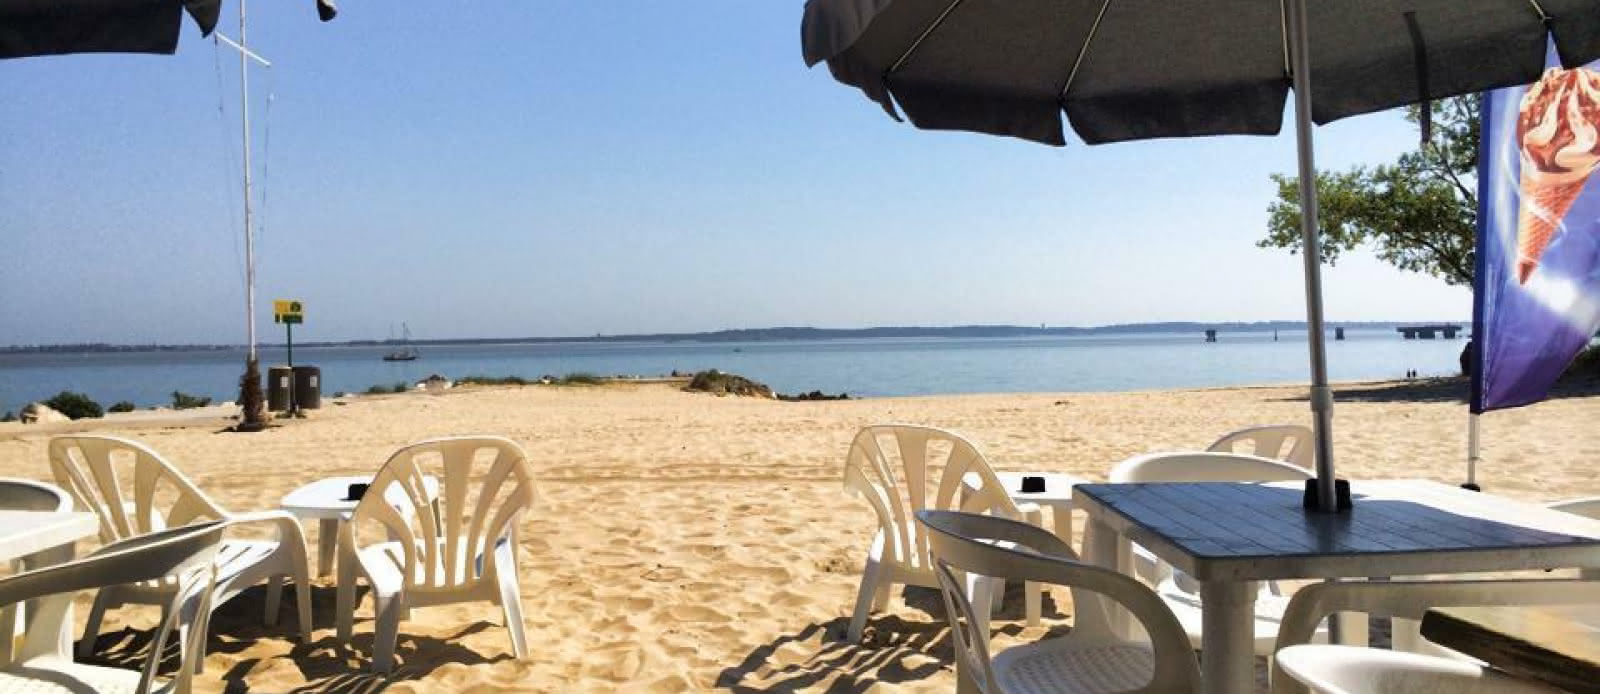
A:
(925, 33)
(1084, 49)
(1283, 26)
(1543, 17)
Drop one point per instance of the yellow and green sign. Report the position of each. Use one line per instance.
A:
(287, 311)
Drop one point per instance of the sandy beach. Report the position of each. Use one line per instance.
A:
(685, 542)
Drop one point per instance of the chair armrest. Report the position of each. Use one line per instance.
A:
(285, 523)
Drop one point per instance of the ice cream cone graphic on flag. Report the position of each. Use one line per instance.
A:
(1559, 130)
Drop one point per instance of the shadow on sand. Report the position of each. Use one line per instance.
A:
(893, 649)
(327, 664)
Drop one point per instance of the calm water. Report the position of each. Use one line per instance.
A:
(879, 367)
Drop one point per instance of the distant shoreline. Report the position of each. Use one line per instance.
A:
(780, 334)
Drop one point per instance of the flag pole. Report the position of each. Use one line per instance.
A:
(1472, 453)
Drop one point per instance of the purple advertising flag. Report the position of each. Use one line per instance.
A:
(1537, 284)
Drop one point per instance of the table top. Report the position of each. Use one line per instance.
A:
(325, 498)
(1556, 645)
(25, 532)
(1255, 531)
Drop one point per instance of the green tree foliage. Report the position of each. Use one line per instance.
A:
(1418, 214)
(74, 405)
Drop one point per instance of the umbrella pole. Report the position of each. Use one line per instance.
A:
(1311, 252)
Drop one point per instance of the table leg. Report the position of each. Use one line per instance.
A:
(327, 544)
(1227, 643)
(1102, 546)
(1061, 518)
(50, 614)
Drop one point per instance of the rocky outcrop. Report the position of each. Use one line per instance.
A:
(40, 413)
(719, 383)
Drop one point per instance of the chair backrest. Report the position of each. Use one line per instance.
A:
(188, 553)
(1411, 600)
(485, 485)
(901, 469)
(131, 488)
(28, 495)
(1205, 467)
(1004, 548)
(1291, 443)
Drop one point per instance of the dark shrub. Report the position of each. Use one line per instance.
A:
(75, 405)
(122, 406)
(184, 401)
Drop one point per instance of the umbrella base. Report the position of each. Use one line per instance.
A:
(1341, 490)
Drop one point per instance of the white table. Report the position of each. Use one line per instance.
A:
(40, 539)
(1057, 495)
(324, 501)
(1227, 535)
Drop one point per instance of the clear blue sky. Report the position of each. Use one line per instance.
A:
(512, 168)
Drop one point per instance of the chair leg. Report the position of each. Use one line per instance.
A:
(511, 604)
(91, 627)
(386, 631)
(1032, 601)
(274, 600)
(344, 607)
(864, 598)
(302, 600)
(505, 570)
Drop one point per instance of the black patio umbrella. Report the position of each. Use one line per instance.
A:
(1139, 69)
(57, 27)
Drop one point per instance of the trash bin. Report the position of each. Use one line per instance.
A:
(307, 387)
(279, 381)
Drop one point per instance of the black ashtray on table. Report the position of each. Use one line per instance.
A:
(355, 492)
(1032, 484)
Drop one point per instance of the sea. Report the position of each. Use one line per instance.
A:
(878, 367)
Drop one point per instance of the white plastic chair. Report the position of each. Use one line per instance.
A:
(1407, 602)
(184, 556)
(24, 495)
(134, 491)
(1181, 593)
(1088, 659)
(901, 469)
(1290, 443)
(463, 548)
(1355, 670)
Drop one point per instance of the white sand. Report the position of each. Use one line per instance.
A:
(686, 542)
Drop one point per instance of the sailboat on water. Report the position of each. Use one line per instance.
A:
(406, 352)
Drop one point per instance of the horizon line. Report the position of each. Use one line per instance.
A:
(775, 333)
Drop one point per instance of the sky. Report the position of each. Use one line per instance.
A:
(508, 168)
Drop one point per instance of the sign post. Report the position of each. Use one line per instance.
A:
(289, 312)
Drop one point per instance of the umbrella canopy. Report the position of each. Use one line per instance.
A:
(1141, 69)
(1174, 68)
(56, 27)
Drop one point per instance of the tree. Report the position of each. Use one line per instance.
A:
(1418, 214)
